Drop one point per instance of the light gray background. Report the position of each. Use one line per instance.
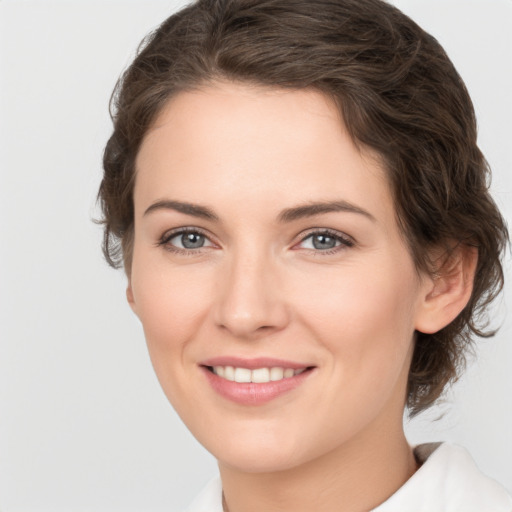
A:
(84, 425)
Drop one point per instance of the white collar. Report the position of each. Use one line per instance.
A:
(447, 481)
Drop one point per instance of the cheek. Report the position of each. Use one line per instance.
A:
(170, 304)
(364, 322)
(363, 315)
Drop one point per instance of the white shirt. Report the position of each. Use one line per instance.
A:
(447, 481)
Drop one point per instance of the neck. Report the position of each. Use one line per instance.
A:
(357, 476)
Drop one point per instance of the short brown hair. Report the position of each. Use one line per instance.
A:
(398, 93)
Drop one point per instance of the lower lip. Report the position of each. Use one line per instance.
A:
(251, 393)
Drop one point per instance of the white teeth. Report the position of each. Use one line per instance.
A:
(242, 375)
(258, 375)
(288, 373)
(276, 374)
(229, 373)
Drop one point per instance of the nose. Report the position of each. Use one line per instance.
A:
(250, 302)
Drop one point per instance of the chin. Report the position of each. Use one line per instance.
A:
(254, 453)
(257, 461)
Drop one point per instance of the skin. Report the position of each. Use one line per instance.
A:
(259, 288)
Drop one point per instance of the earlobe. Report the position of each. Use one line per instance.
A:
(448, 291)
(130, 298)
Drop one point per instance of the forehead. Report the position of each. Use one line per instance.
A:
(227, 142)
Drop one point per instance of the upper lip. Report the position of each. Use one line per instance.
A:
(254, 363)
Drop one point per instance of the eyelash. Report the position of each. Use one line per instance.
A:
(169, 235)
(345, 241)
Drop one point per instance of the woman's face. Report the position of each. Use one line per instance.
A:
(266, 246)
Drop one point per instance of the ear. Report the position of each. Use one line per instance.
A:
(447, 293)
(130, 297)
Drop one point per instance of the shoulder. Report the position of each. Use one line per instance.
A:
(448, 481)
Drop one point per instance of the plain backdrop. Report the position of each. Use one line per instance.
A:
(84, 425)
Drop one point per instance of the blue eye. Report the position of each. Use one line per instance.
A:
(322, 241)
(327, 241)
(185, 240)
(191, 240)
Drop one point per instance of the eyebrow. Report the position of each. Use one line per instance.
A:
(188, 208)
(287, 215)
(312, 209)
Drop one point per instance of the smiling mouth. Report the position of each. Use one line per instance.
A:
(257, 375)
(254, 382)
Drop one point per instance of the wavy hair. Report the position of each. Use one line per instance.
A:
(398, 93)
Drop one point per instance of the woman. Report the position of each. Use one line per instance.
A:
(296, 194)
